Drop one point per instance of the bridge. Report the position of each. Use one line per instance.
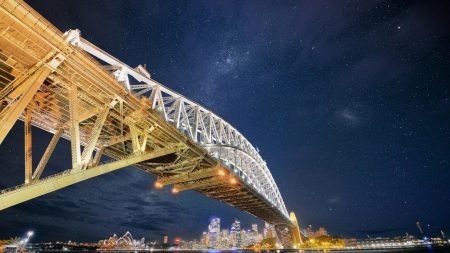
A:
(54, 81)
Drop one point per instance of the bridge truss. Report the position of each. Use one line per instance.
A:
(51, 80)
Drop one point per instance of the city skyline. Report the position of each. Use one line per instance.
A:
(347, 103)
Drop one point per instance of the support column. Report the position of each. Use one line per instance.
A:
(48, 152)
(210, 120)
(74, 127)
(97, 157)
(143, 141)
(12, 112)
(176, 115)
(134, 138)
(28, 147)
(195, 123)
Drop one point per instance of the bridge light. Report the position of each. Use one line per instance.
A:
(221, 173)
(158, 185)
(233, 181)
(174, 190)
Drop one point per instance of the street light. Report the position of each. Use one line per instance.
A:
(29, 234)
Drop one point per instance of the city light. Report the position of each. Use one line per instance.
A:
(174, 190)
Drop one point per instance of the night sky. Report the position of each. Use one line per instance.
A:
(347, 101)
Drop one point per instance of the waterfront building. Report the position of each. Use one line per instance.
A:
(214, 234)
(309, 232)
(255, 227)
(232, 235)
(166, 239)
(203, 238)
(321, 232)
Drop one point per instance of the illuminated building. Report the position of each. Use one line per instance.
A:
(238, 241)
(214, 234)
(255, 227)
(203, 239)
(321, 232)
(166, 239)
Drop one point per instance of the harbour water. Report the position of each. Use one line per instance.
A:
(428, 249)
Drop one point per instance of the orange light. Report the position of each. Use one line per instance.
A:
(174, 190)
(233, 181)
(221, 173)
(158, 185)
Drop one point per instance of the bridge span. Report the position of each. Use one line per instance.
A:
(54, 81)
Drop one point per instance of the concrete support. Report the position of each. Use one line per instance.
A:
(26, 192)
(296, 230)
(48, 152)
(12, 112)
(28, 147)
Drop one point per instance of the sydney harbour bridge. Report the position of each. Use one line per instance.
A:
(54, 81)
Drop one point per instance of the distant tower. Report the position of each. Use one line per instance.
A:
(418, 225)
(166, 239)
(255, 227)
(237, 225)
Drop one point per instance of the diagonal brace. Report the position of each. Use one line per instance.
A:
(93, 137)
(48, 152)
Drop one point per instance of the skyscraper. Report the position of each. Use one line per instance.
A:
(214, 233)
(255, 227)
(166, 239)
(238, 241)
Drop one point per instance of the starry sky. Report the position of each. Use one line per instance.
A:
(347, 101)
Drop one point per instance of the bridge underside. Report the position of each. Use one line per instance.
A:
(47, 81)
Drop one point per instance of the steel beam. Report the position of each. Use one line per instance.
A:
(28, 147)
(134, 138)
(48, 152)
(26, 192)
(186, 177)
(12, 112)
(93, 138)
(202, 184)
(74, 127)
(97, 157)
(143, 141)
(177, 113)
(195, 123)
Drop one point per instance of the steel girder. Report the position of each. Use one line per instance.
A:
(200, 124)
